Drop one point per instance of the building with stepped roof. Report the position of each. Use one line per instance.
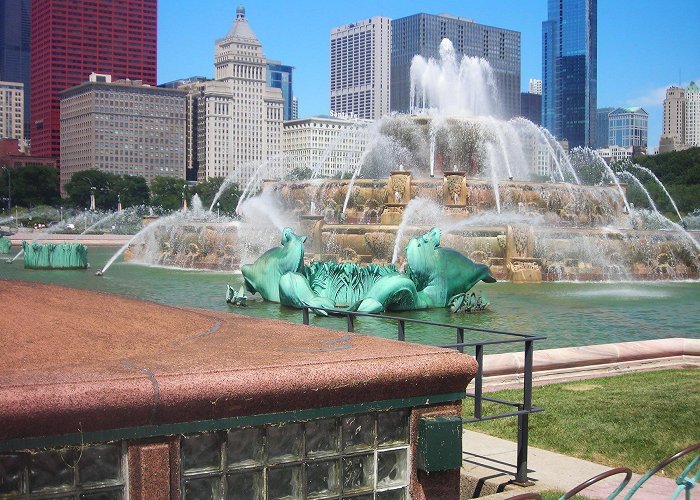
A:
(681, 126)
(236, 118)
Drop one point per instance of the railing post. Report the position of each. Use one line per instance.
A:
(351, 326)
(402, 330)
(460, 339)
(523, 419)
(478, 381)
(306, 315)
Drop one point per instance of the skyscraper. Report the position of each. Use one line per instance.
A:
(235, 120)
(15, 23)
(569, 70)
(73, 38)
(673, 132)
(692, 115)
(628, 127)
(602, 127)
(531, 106)
(681, 119)
(360, 68)
(295, 108)
(109, 126)
(280, 76)
(11, 110)
(421, 34)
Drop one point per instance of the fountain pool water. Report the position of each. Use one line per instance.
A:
(568, 313)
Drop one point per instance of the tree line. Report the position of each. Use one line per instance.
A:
(679, 171)
(37, 185)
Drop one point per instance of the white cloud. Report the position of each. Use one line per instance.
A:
(655, 97)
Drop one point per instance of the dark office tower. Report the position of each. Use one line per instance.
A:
(569, 70)
(280, 76)
(602, 127)
(15, 21)
(72, 39)
(531, 107)
(421, 34)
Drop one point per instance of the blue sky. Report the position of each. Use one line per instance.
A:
(643, 46)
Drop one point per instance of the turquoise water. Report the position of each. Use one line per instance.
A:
(568, 314)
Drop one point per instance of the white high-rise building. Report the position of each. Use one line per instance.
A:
(673, 133)
(238, 118)
(330, 144)
(692, 115)
(535, 86)
(361, 69)
(11, 110)
(295, 108)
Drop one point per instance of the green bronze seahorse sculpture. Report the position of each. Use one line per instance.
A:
(434, 277)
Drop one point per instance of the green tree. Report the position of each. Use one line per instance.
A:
(133, 191)
(300, 174)
(206, 190)
(34, 185)
(86, 181)
(679, 171)
(166, 192)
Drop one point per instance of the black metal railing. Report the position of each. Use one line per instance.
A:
(523, 408)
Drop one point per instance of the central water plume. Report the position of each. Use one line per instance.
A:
(449, 87)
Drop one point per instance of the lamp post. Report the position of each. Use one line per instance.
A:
(119, 202)
(61, 213)
(9, 188)
(218, 205)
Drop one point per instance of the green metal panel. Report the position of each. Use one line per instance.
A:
(439, 443)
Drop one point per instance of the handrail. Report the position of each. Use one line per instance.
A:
(600, 477)
(343, 312)
(523, 409)
(683, 481)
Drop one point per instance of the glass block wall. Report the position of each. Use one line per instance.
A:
(85, 473)
(356, 456)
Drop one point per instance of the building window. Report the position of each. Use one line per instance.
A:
(354, 455)
(86, 472)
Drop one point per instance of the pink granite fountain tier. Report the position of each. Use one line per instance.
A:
(80, 361)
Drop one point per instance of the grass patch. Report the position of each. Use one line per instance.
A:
(633, 420)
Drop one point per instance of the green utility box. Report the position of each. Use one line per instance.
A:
(439, 443)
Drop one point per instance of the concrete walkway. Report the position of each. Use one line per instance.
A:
(489, 466)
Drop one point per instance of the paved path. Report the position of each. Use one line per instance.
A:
(493, 459)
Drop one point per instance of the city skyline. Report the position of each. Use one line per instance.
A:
(637, 60)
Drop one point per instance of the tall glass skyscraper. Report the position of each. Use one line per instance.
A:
(15, 23)
(569, 70)
(280, 76)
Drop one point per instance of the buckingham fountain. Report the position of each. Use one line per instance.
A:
(503, 193)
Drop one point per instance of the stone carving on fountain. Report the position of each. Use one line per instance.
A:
(455, 193)
(434, 277)
(520, 261)
(399, 194)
